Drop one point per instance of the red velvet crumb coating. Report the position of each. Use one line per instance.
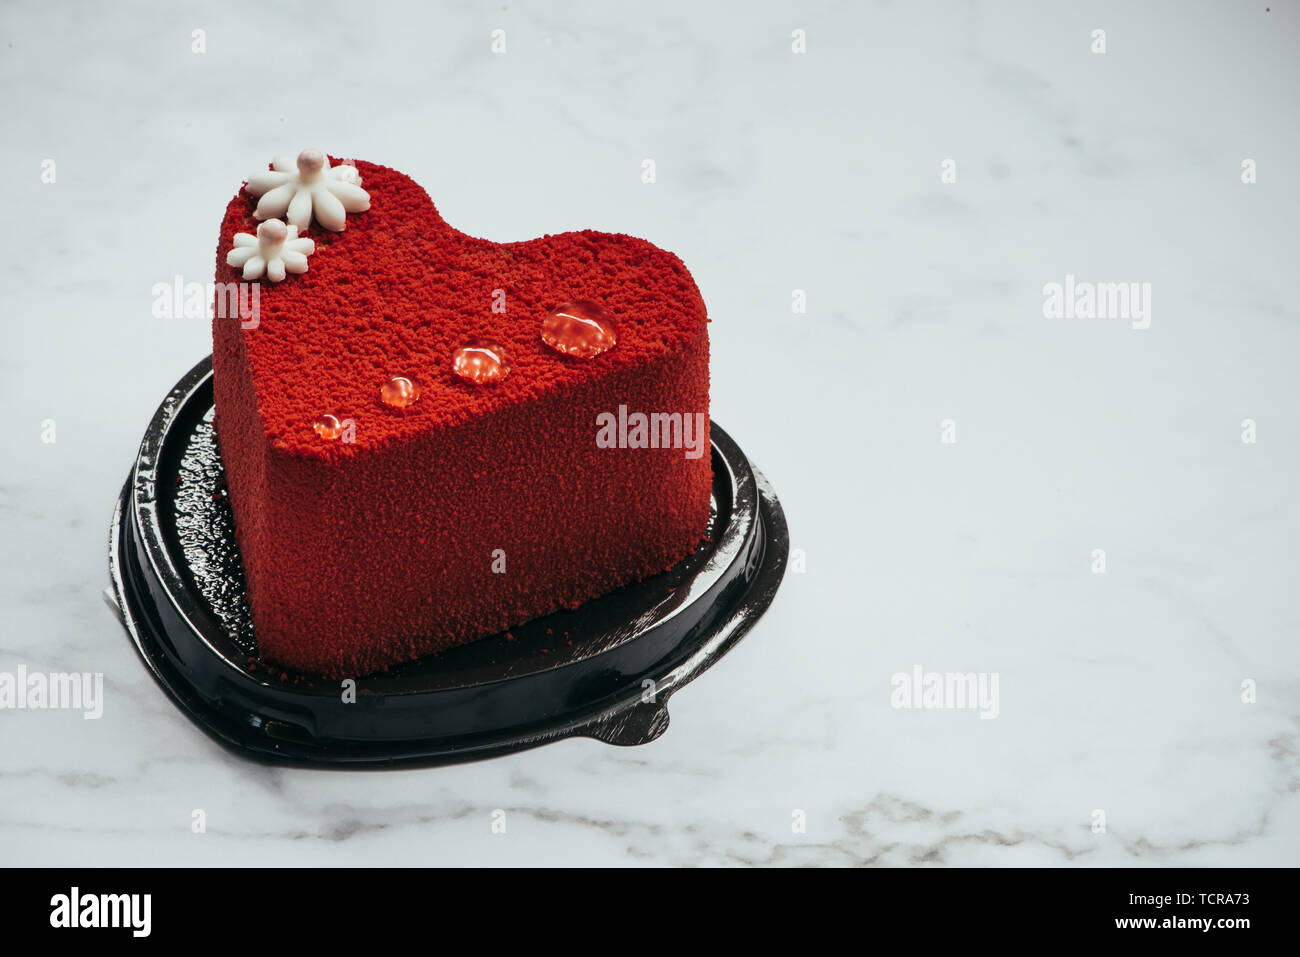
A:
(359, 555)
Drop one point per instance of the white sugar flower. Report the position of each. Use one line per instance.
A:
(275, 250)
(309, 186)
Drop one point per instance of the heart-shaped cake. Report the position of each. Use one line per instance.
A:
(428, 437)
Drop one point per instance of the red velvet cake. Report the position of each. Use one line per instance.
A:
(429, 438)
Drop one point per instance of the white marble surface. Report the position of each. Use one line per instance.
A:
(776, 171)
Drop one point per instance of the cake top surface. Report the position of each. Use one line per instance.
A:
(398, 291)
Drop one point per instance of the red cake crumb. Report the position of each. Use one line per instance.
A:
(362, 555)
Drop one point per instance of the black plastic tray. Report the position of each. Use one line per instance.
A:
(604, 671)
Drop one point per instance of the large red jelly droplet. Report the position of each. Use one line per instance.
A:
(483, 362)
(399, 392)
(580, 328)
(328, 427)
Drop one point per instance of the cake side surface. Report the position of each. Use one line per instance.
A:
(477, 507)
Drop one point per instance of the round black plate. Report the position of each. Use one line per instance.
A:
(604, 670)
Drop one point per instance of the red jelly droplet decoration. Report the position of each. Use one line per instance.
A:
(579, 328)
(482, 362)
(399, 392)
(328, 427)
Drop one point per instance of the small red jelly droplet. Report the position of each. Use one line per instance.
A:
(482, 362)
(328, 427)
(579, 328)
(399, 392)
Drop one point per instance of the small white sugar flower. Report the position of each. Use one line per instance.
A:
(275, 250)
(296, 191)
